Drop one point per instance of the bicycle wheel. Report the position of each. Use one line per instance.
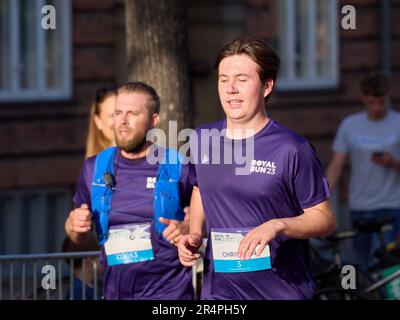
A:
(364, 280)
(338, 293)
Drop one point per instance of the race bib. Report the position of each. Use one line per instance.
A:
(225, 245)
(129, 243)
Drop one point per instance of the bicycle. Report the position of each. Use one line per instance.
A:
(387, 267)
(328, 275)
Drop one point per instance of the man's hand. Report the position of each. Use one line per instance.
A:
(175, 229)
(188, 246)
(80, 220)
(261, 236)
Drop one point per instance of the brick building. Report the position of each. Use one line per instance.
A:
(47, 85)
(43, 129)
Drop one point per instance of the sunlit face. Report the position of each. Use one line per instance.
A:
(377, 107)
(105, 120)
(132, 120)
(240, 89)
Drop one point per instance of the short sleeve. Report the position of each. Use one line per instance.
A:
(309, 181)
(192, 174)
(82, 193)
(186, 186)
(194, 157)
(341, 143)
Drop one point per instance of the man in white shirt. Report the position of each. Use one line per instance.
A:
(371, 139)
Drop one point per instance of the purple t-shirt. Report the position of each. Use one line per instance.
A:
(285, 177)
(164, 277)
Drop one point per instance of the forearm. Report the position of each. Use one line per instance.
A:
(316, 222)
(197, 217)
(333, 174)
(197, 224)
(335, 168)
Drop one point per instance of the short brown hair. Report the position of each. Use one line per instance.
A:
(258, 50)
(153, 105)
(375, 84)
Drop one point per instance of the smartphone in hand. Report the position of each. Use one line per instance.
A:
(378, 153)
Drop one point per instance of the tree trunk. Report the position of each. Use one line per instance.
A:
(156, 40)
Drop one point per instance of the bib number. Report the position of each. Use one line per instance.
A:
(130, 243)
(225, 245)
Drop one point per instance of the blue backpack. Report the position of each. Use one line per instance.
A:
(166, 201)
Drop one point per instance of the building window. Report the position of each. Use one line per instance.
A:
(308, 44)
(35, 64)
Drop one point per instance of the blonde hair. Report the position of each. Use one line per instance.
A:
(96, 141)
(153, 103)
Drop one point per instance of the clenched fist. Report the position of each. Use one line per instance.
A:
(188, 246)
(79, 220)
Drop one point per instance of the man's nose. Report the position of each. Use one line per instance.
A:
(231, 88)
(124, 118)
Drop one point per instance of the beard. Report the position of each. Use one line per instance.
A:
(133, 144)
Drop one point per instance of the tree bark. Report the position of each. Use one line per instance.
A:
(156, 40)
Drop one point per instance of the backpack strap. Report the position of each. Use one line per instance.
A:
(166, 192)
(171, 166)
(101, 192)
(167, 198)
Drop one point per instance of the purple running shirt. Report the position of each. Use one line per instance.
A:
(285, 177)
(163, 278)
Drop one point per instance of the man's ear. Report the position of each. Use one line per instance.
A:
(155, 120)
(97, 122)
(269, 84)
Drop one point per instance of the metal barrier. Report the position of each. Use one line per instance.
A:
(20, 282)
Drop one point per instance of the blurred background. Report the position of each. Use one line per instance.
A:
(48, 79)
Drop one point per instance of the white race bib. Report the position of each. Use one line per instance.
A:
(225, 245)
(129, 243)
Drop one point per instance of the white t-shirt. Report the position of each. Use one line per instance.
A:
(371, 186)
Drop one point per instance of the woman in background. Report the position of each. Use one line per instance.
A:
(101, 125)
